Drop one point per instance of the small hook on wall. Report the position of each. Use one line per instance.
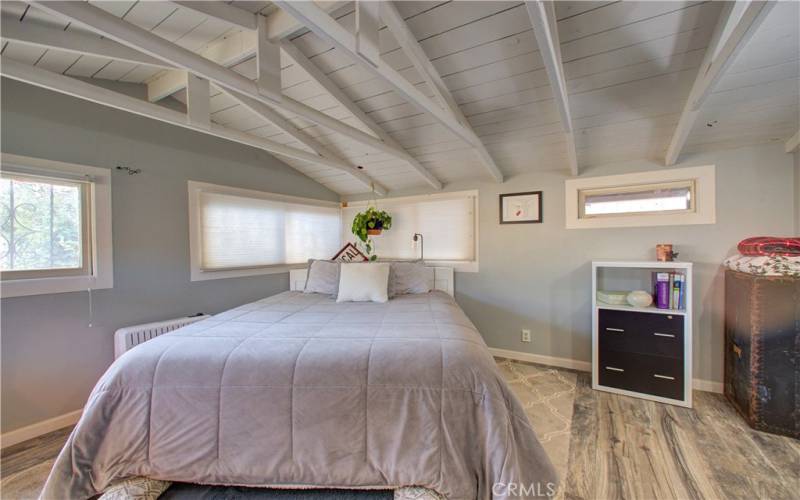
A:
(131, 171)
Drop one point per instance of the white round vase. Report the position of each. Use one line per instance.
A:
(640, 298)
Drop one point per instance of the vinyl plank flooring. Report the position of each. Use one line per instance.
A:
(583, 446)
(627, 448)
(30, 453)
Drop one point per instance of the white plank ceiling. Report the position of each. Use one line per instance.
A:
(629, 68)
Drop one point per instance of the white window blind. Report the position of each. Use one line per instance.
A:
(244, 232)
(447, 226)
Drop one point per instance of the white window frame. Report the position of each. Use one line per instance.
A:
(703, 205)
(197, 273)
(102, 265)
(472, 266)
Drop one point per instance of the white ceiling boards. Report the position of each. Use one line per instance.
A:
(449, 91)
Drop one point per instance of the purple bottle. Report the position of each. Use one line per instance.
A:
(662, 290)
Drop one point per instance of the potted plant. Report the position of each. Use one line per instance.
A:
(370, 222)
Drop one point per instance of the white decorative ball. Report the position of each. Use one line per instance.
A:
(640, 298)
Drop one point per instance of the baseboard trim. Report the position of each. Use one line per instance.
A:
(585, 366)
(708, 386)
(572, 364)
(39, 429)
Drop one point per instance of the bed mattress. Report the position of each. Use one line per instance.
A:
(296, 390)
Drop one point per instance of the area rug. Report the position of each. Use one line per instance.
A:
(546, 393)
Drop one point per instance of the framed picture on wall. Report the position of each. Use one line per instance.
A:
(521, 208)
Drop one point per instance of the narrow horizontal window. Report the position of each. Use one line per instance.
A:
(240, 232)
(45, 228)
(662, 198)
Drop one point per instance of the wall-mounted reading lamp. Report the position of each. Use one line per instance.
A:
(418, 237)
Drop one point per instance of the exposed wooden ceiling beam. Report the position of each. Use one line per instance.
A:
(268, 62)
(243, 45)
(402, 33)
(198, 101)
(271, 28)
(793, 143)
(140, 39)
(228, 13)
(367, 26)
(545, 29)
(70, 86)
(325, 82)
(228, 52)
(262, 110)
(327, 28)
(75, 42)
(137, 38)
(233, 49)
(281, 24)
(271, 50)
(737, 23)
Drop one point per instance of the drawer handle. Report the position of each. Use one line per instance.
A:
(614, 330)
(664, 335)
(614, 369)
(665, 377)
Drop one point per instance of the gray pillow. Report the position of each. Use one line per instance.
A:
(323, 277)
(408, 277)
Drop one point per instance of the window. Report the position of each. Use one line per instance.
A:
(447, 222)
(669, 197)
(48, 239)
(240, 232)
(656, 198)
(45, 227)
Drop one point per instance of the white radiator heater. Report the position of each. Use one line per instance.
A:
(131, 336)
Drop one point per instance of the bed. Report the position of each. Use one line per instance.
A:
(298, 391)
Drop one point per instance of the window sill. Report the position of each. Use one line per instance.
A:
(457, 265)
(200, 275)
(46, 286)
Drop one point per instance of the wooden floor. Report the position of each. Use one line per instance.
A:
(629, 448)
(622, 448)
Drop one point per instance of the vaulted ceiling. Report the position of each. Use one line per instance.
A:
(482, 95)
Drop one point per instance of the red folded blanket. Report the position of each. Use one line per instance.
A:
(770, 246)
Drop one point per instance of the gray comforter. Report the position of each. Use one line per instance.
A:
(297, 390)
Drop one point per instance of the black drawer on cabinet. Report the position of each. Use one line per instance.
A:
(619, 370)
(645, 333)
(664, 378)
(654, 375)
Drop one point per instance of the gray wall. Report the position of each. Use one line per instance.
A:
(50, 357)
(538, 276)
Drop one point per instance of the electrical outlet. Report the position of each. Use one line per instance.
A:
(526, 336)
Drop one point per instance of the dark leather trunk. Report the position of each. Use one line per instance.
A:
(762, 350)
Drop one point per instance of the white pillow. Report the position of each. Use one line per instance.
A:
(363, 283)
